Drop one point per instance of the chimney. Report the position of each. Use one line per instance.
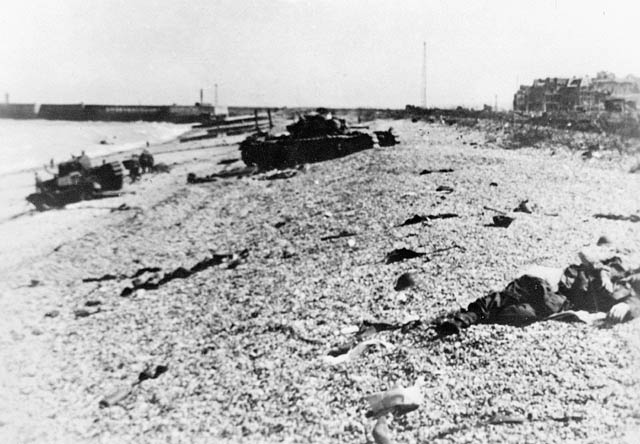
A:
(201, 96)
(6, 98)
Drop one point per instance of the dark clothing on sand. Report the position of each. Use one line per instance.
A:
(529, 298)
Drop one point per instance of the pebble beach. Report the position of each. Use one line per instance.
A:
(299, 265)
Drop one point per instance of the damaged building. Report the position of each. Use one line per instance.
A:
(605, 92)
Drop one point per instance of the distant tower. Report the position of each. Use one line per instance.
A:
(424, 74)
(215, 94)
(6, 97)
(201, 96)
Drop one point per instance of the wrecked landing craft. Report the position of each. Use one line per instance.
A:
(313, 138)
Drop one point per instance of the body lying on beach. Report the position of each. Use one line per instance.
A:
(600, 283)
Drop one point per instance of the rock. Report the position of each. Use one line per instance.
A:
(445, 189)
(81, 313)
(502, 221)
(604, 240)
(52, 314)
(288, 252)
(380, 431)
(404, 281)
(525, 207)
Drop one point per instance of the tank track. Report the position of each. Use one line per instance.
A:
(286, 152)
(110, 176)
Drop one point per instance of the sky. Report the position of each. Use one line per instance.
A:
(333, 53)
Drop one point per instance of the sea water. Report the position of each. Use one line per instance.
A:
(27, 146)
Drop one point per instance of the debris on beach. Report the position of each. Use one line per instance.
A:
(115, 397)
(630, 218)
(345, 355)
(387, 138)
(152, 372)
(442, 170)
(501, 221)
(341, 234)
(280, 346)
(445, 189)
(370, 328)
(416, 219)
(525, 206)
(284, 174)
(404, 281)
(161, 168)
(227, 174)
(402, 254)
(156, 280)
(398, 401)
(83, 313)
(109, 277)
(123, 392)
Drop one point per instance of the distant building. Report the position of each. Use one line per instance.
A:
(604, 92)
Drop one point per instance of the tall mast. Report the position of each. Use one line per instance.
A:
(424, 74)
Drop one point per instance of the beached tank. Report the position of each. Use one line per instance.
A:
(313, 138)
(76, 180)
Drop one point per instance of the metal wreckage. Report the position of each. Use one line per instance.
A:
(75, 181)
(312, 138)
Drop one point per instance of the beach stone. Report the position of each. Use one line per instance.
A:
(52, 314)
(405, 280)
(604, 240)
(525, 206)
(81, 313)
(381, 432)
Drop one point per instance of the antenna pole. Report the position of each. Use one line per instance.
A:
(424, 75)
